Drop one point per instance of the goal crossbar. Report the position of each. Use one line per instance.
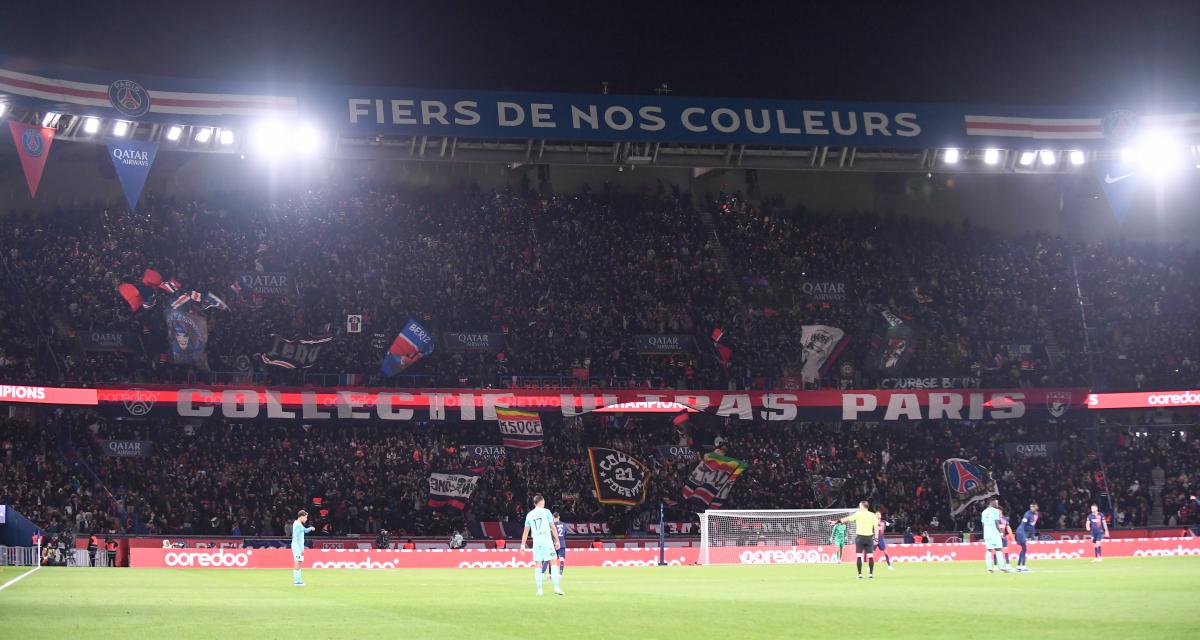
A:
(771, 536)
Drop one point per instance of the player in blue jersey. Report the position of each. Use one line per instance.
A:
(561, 528)
(1006, 536)
(540, 523)
(1026, 531)
(880, 540)
(298, 531)
(1098, 527)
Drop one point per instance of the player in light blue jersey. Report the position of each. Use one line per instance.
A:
(993, 536)
(298, 531)
(540, 523)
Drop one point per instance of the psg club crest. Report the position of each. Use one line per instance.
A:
(140, 403)
(1058, 402)
(1119, 124)
(129, 97)
(32, 142)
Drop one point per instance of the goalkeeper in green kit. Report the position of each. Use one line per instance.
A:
(838, 538)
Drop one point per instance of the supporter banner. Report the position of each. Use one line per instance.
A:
(473, 341)
(520, 429)
(132, 160)
(892, 343)
(301, 353)
(33, 147)
(927, 382)
(820, 346)
(108, 340)
(1144, 399)
(667, 343)
(379, 341)
(1030, 355)
(676, 452)
(483, 452)
(187, 338)
(265, 283)
(484, 404)
(968, 483)
(618, 477)
(452, 489)
(823, 290)
(354, 324)
(1030, 449)
(826, 489)
(127, 448)
(413, 343)
(712, 479)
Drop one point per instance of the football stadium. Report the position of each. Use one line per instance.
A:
(529, 323)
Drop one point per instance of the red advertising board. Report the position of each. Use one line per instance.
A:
(1144, 399)
(510, 559)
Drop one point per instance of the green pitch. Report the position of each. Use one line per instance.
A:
(1121, 598)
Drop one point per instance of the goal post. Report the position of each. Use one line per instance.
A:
(771, 536)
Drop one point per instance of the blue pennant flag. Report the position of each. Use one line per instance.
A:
(132, 159)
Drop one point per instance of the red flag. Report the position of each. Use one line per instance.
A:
(33, 145)
(717, 334)
(151, 278)
(132, 296)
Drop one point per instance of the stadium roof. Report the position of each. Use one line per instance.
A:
(561, 128)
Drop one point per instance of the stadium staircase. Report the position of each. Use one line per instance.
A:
(1157, 514)
(1054, 350)
(722, 253)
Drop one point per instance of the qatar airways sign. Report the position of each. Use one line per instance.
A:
(475, 404)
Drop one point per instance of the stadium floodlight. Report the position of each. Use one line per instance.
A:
(1027, 158)
(226, 137)
(1048, 157)
(1128, 155)
(991, 156)
(1160, 156)
(174, 132)
(50, 119)
(269, 139)
(1077, 157)
(204, 135)
(950, 156)
(308, 140)
(120, 128)
(91, 125)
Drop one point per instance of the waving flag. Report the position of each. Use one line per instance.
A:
(967, 483)
(712, 479)
(618, 477)
(520, 429)
(452, 489)
(33, 146)
(413, 343)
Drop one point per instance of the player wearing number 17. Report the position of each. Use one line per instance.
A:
(540, 523)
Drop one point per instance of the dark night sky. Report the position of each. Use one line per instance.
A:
(1136, 53)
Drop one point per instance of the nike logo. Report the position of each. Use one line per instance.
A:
(1108, 179)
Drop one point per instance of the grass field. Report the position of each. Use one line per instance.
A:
(1121, 598)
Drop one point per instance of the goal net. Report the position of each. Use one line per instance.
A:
(771, 536)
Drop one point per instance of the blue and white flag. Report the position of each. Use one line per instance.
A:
(1119, 181)
(413, 343)
(132, 159)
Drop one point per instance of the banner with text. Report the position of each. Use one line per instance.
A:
(452, 489)
(823, 290)
(108, 340)
(930, 382)
(712, 479)
(664, 343)
(520, 429)
(618, 477)
(300, 353)
(473, 341)
(132, 160)
(265, 283)
(127, 448)
(483, 452)
(1030, 449)
(675, 452)
(820, 346)
(486, 404)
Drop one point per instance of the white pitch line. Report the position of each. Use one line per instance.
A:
(18, 578)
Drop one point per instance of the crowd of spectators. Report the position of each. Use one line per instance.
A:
(568, 280)
(229, 478)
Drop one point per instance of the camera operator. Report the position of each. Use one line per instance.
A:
(382, 541)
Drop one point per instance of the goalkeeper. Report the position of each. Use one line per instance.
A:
(838, 538)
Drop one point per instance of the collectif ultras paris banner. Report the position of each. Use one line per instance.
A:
(478, 404)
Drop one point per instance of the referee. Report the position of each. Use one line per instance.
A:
(864, 542)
